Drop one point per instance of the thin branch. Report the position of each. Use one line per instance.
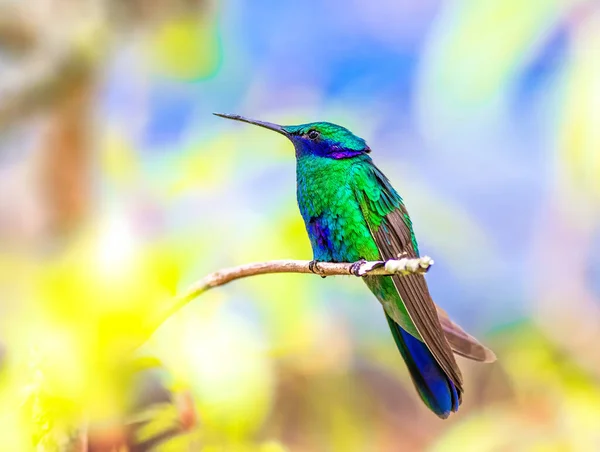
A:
(16, 35)
(50, 59)
(402, 266)
(39, 82)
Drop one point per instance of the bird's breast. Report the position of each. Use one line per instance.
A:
(331, 213)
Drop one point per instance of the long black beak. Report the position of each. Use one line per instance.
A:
(266, 125)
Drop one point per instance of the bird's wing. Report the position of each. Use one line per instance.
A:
(463, 343)
(391, 229)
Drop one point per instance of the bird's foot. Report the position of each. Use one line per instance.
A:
(313, 266)
(356, 267)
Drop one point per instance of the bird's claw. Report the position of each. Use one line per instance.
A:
(356, 266)
(313, 266)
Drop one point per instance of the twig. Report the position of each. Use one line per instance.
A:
(402, 266)
(39, 82)
(16, 35)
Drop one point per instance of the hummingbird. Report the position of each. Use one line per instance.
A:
(352, 214)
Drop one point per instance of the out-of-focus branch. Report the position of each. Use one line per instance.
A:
(15, 35)
(402, 266)
(55, 71)
(66, 159)
(47, 57)
(40, 81)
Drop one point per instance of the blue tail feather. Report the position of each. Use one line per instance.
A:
(434, 386)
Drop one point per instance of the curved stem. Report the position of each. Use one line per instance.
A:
(221, 277)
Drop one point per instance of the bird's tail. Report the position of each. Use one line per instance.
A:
(435, 388)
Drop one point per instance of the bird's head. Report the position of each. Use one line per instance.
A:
(321, 139)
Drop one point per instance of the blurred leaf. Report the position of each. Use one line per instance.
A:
(580, 134)
(203, 167)
(556, 407)
(187, 47)
(87, 312)
(119, 160)
(221, 358)
(478, 46)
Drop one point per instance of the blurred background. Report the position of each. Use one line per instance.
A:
(118, 188)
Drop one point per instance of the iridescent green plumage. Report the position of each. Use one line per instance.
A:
(352, 212)
(339, 202)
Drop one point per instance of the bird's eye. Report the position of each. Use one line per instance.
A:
(313, 134)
